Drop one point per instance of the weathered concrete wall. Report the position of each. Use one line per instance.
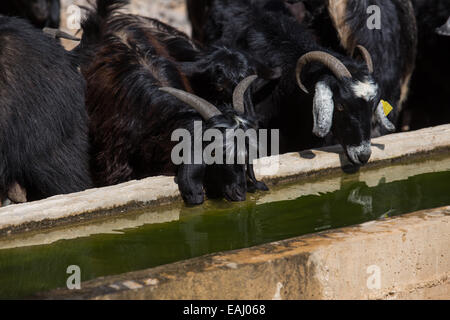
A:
(410, 255)
(64, 209)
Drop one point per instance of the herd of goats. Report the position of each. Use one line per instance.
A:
(104, 113)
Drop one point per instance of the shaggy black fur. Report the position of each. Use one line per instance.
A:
(43, 126)
(430, 86)
(393, 47)
(126, 59)
(41, 13)
(197, 12)
(267, 30)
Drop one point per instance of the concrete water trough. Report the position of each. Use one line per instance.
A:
(386, 256)
(409, 254)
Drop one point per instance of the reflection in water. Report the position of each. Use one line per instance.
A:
(204, 230)
(357, 198)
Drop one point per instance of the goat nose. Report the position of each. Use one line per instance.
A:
(359, 154)
(234, 193)
(364, 156)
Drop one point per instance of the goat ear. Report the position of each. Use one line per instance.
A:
(323, 108)
(383, 119)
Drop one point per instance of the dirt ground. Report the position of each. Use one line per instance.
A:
(172, 12)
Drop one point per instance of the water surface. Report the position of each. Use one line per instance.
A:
(162, 237)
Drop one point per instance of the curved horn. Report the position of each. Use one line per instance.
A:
(58, 34)
(206, 109)
(366, 56)
(382, 119)
(239, 93)
(329, 61)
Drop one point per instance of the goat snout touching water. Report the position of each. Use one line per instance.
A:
(229, 179)
(347, 99)
(144, 82)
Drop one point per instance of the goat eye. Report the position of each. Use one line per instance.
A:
(340, 107)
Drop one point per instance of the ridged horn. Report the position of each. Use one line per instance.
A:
(207, 110)
(239, 93)
(329, 61)
(366, 56)
(58, 34)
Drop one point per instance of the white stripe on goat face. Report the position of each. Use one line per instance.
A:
(366, 90)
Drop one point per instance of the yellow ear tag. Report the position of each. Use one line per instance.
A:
(386, 107)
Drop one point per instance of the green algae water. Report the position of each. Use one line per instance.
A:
(149, 239)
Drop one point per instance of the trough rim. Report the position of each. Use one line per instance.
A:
(161, 191)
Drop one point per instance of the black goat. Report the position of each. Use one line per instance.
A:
(346, 93)
(429, 101)
(133, 69)
(44, 143)
(342, 25)
(41, 13)
(393, 46)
